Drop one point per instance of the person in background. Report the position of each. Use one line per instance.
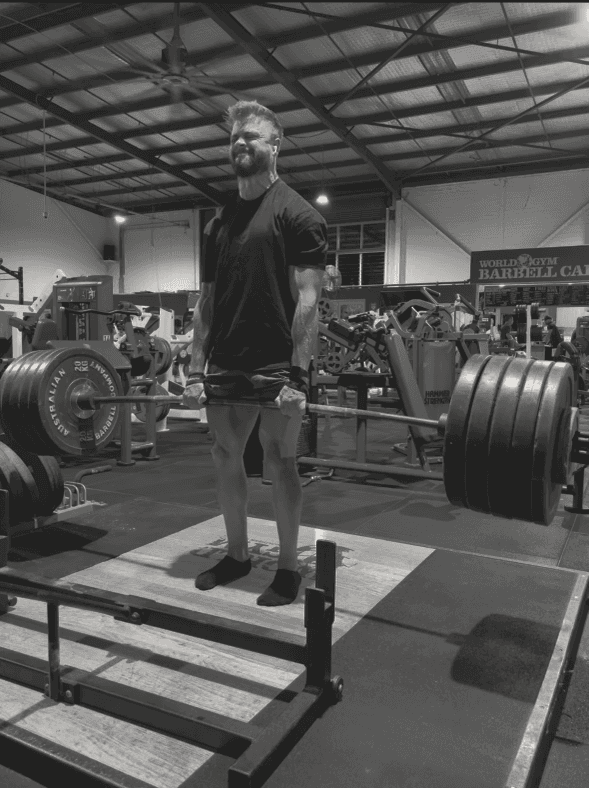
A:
(472, 328)
(553, 337)
(493, 332)
(505, 332)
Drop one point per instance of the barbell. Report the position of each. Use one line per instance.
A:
(511, 433)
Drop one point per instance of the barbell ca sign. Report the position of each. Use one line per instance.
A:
(550, 264)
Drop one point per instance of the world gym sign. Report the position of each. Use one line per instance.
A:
(556, 264)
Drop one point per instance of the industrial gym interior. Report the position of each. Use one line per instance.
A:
(439, 638)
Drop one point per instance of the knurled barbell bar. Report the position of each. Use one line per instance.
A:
(510, 435)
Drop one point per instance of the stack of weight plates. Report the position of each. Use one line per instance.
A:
(35, 483)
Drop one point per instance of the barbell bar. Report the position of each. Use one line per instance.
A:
(88, 402)
(511, 434)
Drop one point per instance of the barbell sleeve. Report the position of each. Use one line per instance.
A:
(311, 407)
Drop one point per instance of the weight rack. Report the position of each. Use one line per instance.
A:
(258, 751)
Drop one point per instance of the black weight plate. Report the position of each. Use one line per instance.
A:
(31, 425)
(521, 456)
(15, 420)
(70, 430)
(455, 431)
(161, 409)
(555, 407)
(501, 483)
(476, 467)
(566, 430)
(47, 475)
(163, 356)
(40, 402)
(7, 417)
(26, 428)
(15, 477)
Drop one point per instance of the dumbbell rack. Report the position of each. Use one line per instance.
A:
(258, 750)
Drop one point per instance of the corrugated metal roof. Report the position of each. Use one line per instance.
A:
(470, 71)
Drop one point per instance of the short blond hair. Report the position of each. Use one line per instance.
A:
(244, 110)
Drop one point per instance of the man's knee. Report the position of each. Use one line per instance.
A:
(276, 462)
(224, 454)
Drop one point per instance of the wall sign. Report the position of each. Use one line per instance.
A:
(556, 264)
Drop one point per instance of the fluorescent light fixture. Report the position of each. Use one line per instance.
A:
(120, 219)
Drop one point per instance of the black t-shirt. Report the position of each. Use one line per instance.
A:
(248, 248)
(505, 332)
(554, 338)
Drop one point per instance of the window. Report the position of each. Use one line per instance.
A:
(348, 251)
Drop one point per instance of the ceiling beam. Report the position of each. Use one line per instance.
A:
(397, 135)
(381, 117)
(89, 128)
(359, 185)
(281, 74)
(496, 170)
(534, 140)
(56, 15)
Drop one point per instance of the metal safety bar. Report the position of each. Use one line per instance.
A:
(258, 750)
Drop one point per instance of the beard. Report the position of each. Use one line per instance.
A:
(246, 165)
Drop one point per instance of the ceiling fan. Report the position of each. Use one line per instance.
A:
(173, 74)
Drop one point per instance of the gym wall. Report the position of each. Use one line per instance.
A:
(501, 213)
(70, 238)
(160, 256)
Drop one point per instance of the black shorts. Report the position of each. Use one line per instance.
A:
(261, 385)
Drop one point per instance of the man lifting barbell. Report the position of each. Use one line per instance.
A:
(254, 330)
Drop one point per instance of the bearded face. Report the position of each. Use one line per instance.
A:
(250, 162)
(251, 150)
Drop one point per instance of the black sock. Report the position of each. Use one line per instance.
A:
(224, 572)
(284, 589)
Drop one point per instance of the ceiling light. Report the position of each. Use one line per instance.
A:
(322, 199)
(119, 219)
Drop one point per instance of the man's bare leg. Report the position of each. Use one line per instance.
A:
(230, 426)
(279, 436)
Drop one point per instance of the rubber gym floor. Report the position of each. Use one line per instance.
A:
(153, 500)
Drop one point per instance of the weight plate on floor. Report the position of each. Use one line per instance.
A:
(15, 477)
(551, 431)
(455, 432)
(163, 355)
(501, 481)
(477, 467)
(521, 455)
(47, 475)
(42, 406)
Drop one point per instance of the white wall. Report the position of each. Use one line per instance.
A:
(69, 238)
(160, 256)
(505, 213)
